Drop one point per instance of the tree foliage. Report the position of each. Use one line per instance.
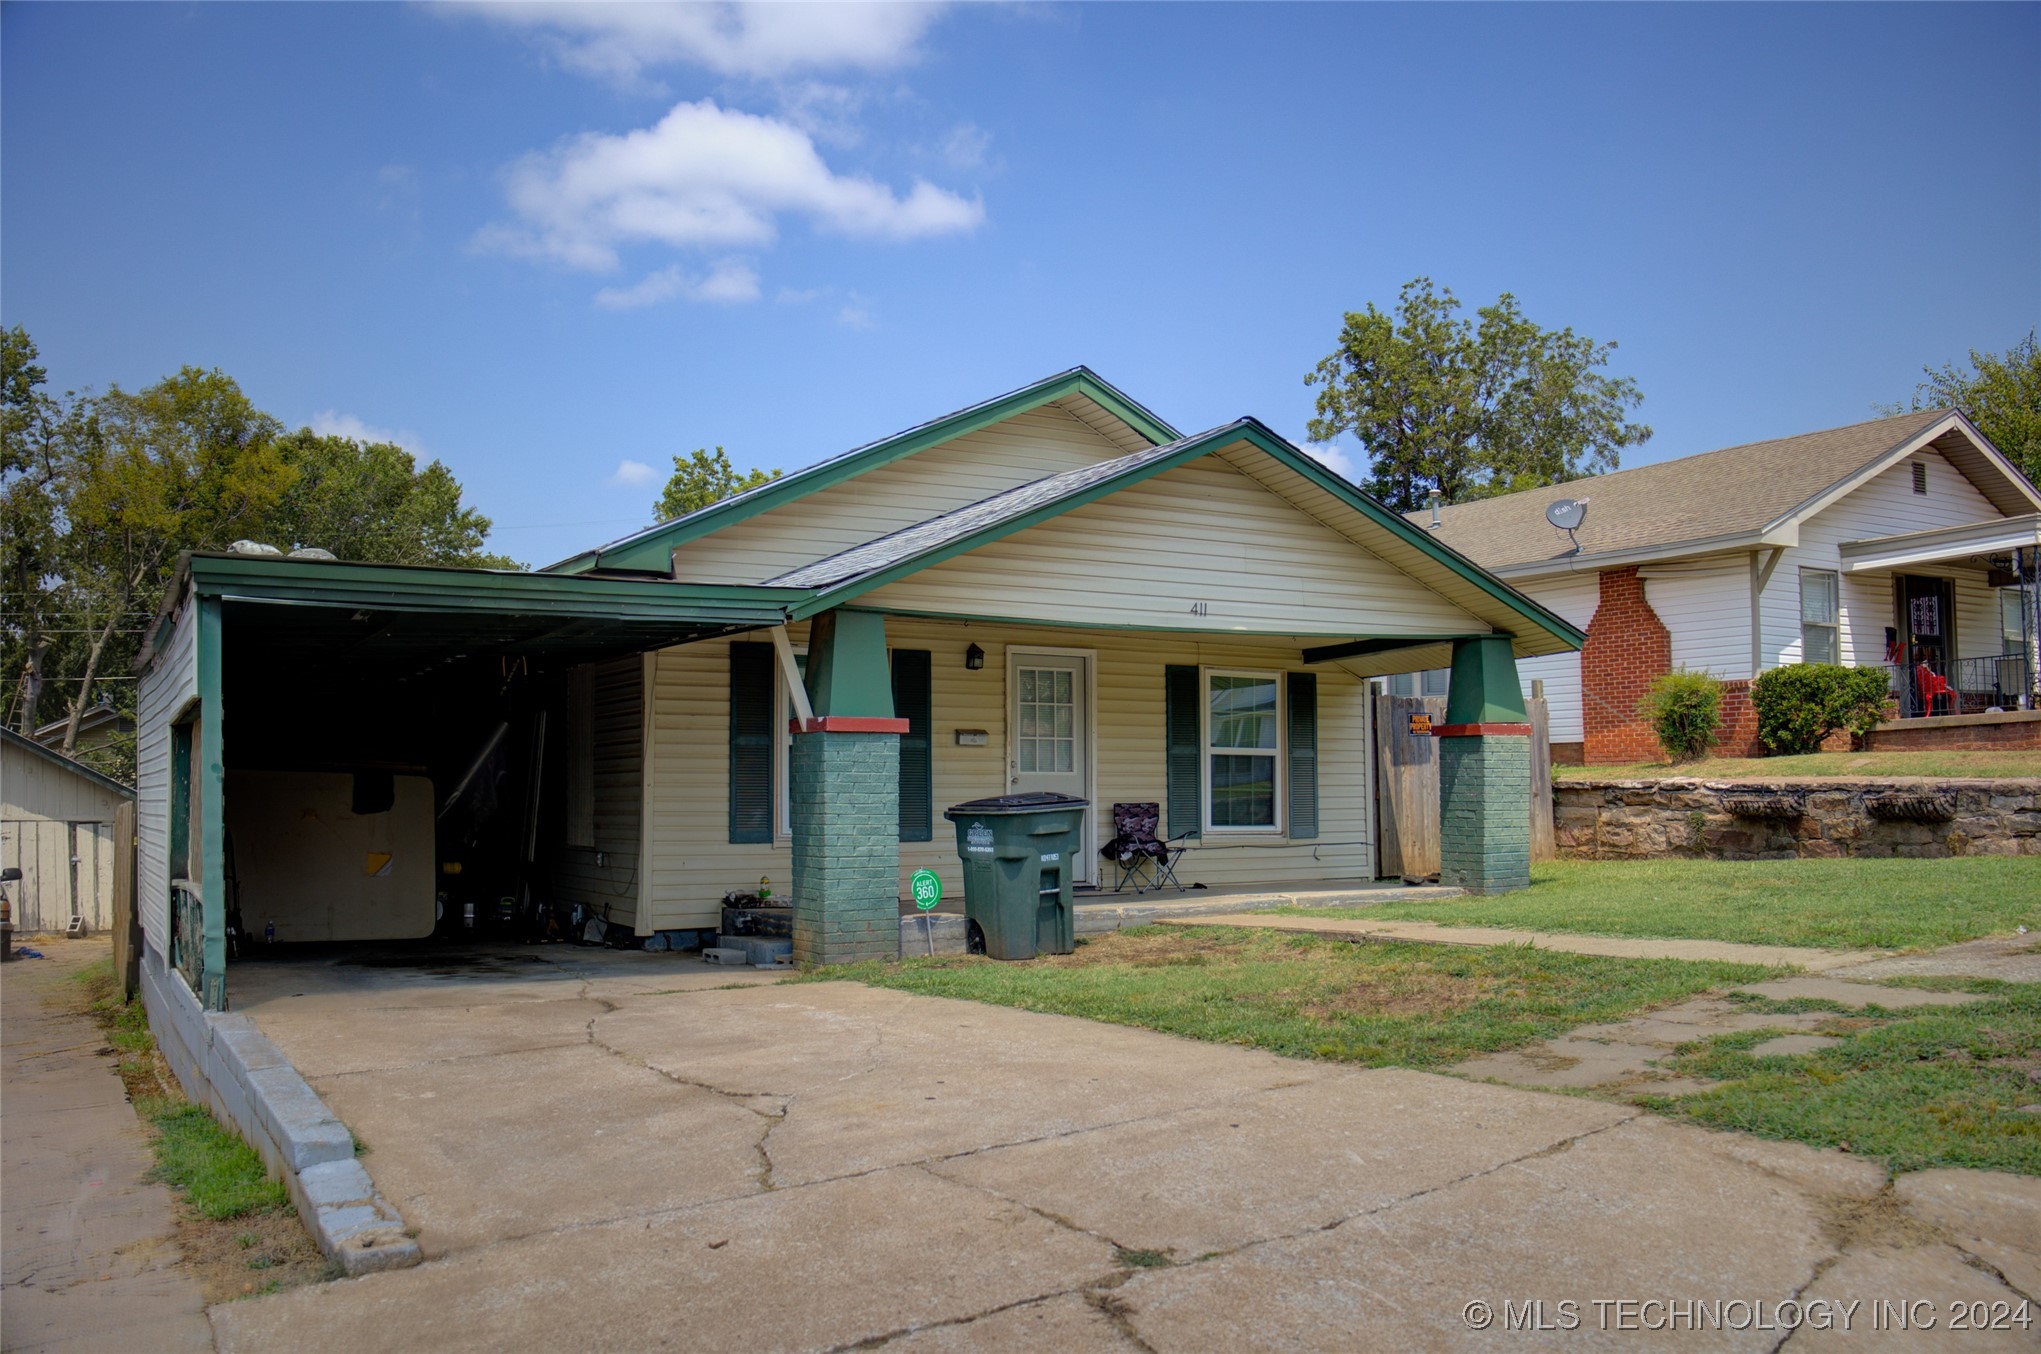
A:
(1471, 409)
(99, 493)
(2001, 394)
(703, 477)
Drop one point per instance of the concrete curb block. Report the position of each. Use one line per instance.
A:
(226, 1064)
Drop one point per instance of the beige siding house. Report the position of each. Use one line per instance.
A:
(1073, 597)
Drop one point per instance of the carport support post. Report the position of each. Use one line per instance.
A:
(1485, 771)
(212, 805)
(846, 796)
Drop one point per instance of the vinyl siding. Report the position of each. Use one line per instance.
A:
(1202, 533)
(1705, 604)
(1886, 506)
(1019, 450)
(693, 864)
(163, 692)
(1574, 597)
(617, 730)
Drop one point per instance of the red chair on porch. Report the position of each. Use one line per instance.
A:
(1930, 685)
(1136, 847)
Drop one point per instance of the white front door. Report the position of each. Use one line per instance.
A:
(1049, 733)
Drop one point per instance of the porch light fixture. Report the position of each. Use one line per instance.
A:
(974, 658)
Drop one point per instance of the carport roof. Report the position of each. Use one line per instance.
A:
(404, 615)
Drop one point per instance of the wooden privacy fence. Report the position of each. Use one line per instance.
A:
(1407, 784)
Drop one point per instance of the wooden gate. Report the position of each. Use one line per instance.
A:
(1407, 784)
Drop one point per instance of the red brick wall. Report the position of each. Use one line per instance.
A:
(1739, 734)
(2011, 736)
(1627, 645)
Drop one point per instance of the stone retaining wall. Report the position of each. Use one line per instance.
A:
(1783, 819)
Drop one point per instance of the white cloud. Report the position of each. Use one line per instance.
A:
(856, 313)
(634, 475)
(965, 146)
(333, 423)
(621, 42)
(731, 281)
(800, 296)
(1332, 456)
(701, 176)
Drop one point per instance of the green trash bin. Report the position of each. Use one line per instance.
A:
(1018, 853)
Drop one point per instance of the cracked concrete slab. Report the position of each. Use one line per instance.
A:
(1993, 1215)
(1934, 1276)
(1205, 1180)
(477, 1149)
(2012, 959)
(382, 1040)
(1641, 1209)
(804, 1269)
(1067, 1325)
(1855, 994)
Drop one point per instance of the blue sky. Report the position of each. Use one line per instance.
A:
(543, 242)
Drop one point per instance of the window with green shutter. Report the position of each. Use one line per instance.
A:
(752, 686)
(1184, 730)
(1303, 741)
(913, 701)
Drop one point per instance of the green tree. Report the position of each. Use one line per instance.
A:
(185, 464)
(1471, 409)
(703, 477)
(370, 501)
(33, 450)
(2001, 394)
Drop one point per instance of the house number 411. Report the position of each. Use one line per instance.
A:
(1200, 608)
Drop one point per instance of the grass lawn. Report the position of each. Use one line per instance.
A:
(1855, 764)
(1839, 904)
(1941, 1087)
(1379, 1005)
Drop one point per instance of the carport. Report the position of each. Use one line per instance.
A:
(347, 726)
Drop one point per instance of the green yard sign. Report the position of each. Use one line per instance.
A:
(927, 888)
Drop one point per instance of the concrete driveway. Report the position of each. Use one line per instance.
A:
(625, 1152)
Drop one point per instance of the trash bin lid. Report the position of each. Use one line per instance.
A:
(1032, 802)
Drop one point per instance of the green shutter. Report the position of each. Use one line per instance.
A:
(1186, 753)
(912, 702)
(752, 686)
(1303, 754)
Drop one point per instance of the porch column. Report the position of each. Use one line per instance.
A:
(209, 766)
(1485, 772)
(846, 796)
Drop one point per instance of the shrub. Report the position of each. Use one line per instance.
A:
(1801, 704)
(1685, 710)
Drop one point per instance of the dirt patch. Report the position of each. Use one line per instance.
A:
(1881, 1221)
(1164, 950)
(249, 1256)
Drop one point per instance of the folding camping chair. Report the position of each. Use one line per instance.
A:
(1135, 846)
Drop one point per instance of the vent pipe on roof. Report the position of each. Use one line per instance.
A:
(1436, 499)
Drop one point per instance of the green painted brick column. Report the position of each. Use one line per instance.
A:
(846, 797)
(1485, 772)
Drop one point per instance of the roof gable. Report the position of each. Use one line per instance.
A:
(1246, 446)
(1721, 499)
(1080, 391)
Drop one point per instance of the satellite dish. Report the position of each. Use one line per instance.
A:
(1567, 514)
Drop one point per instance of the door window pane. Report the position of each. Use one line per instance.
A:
(1046, 741)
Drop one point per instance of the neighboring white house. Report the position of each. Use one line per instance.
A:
(1899, 542)
(56, 824)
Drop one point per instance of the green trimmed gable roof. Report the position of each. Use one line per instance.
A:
(651, 550)
(1250, 446)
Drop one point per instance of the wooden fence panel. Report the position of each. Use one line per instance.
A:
(1407, 794)
(127, 921)
(1542, 846)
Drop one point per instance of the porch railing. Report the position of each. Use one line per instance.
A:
(1962, 686)
(188, 933)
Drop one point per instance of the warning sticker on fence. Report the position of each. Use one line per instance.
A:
(1421, 725)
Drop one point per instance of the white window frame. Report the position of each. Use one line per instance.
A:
(1833, 626)
(1280, 752)
(783, 752)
